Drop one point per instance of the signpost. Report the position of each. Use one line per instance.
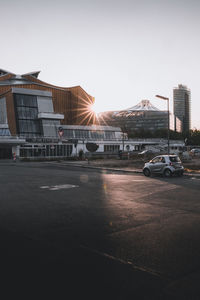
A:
(60, 133)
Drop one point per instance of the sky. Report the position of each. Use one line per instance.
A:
(120, 52)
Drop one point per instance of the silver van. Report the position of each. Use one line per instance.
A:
(166, 165)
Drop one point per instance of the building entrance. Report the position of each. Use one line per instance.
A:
(5, 152)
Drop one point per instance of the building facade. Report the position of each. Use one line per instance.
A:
(182, 106)
(42, 121)
(143, 116)
(31, 111)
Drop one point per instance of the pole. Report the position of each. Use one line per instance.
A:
(165, 98)
(168, 127)
(123, 141)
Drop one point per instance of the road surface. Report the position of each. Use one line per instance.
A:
(74, 232)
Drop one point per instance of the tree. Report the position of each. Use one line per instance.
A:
(193, 137)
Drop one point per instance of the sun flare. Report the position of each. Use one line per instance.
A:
(95, 108)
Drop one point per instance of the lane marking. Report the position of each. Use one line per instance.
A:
(59, 187)
(122, 261)
(139, 180)
(193, 178)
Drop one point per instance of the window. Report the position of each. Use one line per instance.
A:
(45, 150)
(26, 100)
(109, 135)
(97, 135)
(156, 160)
(27, 120)
(174, 159)
(69, 133)
(4, 132)
(81, 134)
(162, 159)
(111, 148)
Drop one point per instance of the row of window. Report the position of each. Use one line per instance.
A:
(56, 150)
(29, 126)
(26, 100)
(28, 123)
(4, 132)
(47, 151)
(27, 113)
(111, 148)
(89, 134)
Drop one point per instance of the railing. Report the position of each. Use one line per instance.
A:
(11, 137)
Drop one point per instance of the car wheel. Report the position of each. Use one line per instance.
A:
(146, 172)
(167, 173)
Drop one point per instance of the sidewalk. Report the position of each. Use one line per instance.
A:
(124, 169)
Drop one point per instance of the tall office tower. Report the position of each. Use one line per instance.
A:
(182, 106)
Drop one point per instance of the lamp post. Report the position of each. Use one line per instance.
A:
(123, 140)
(167, 99)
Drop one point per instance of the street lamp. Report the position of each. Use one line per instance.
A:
(167, 99)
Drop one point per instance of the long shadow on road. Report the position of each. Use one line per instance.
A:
(42, 233)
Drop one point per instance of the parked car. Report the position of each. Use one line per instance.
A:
(195, 151)
(145, 152)
(166, 165)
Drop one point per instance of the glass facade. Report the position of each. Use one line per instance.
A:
(109, 135)
(111, 148)
(4, 132)
(89, 134)
(143, 116)
(182, 106)
(27, 120)
(40, 151)
(97, 135)
(81, 134)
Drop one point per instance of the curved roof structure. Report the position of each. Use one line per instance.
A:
(137, 110)
(74, 102)
(8, 78)
(144, 105)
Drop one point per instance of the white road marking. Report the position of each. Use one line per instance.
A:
(59, 187)
(139, 180)
(117, 259)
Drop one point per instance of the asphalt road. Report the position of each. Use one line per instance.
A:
(70, 232)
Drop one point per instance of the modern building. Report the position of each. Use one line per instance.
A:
(143, 116)
(74, 103)
(42, 121)
(182, 106)
(32, 111)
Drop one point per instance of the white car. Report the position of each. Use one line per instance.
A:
(166, 165)
(195, 151)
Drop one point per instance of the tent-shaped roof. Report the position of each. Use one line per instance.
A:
(144, 105)
(34, 74)
(4, 72)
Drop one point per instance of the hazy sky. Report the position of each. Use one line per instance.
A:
(120, 52)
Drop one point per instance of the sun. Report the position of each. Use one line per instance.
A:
(95, 108)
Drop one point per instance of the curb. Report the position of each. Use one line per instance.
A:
(102, 168)
(120, 170)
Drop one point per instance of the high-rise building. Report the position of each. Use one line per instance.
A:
(182, 106)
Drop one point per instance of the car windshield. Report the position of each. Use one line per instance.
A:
(174, 159)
